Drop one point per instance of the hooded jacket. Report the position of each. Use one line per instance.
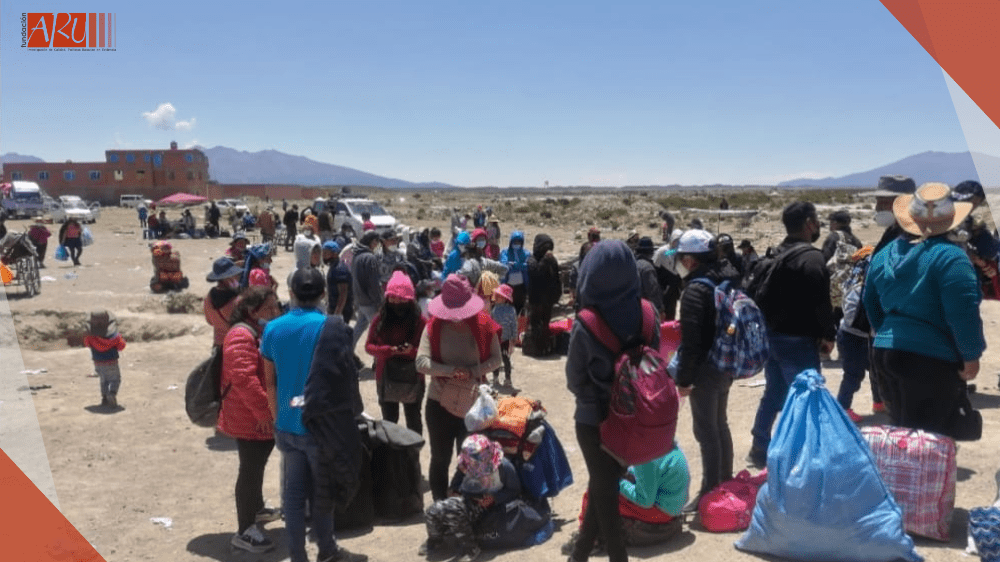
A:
(609, 283)
(303, 251)
(245, 405)
(924, 298)
(516, 260)
(366, 269)
(545, 286)
(698, 320)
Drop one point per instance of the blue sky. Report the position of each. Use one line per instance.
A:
(491, 93)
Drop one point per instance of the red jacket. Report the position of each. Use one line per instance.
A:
(244, 406)
(218, 318)
(380, 345)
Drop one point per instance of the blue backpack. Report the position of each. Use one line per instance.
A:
(740, 348)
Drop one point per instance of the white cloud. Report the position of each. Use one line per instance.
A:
(165, 117)
(192, 144)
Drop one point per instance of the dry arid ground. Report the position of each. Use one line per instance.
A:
(114, 472)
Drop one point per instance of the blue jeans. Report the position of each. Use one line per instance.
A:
(853, 352)
(299, 461)
(789, 356)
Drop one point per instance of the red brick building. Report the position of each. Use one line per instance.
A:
(151, 173)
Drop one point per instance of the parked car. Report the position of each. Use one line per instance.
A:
(133, 201)
(225, 204)
(350, 211)
(74, 207)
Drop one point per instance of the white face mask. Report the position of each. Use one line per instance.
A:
(884, 218)
(378, 250)
(682, 269)
(481, 244)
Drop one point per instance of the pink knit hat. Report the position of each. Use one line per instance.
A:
(258, 278)
(400, 287)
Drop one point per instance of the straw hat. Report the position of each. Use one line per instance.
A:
(930, 211)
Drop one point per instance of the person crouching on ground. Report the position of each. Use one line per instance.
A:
(484, 479)
(105, 342)
(698, 377)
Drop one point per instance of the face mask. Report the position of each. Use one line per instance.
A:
(232, 283)
(516, 247)
(885, 219)
(682, 269)
(481, 244)
(379, 251)
(461, 248)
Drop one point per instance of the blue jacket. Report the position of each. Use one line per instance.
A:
(924, 298)
(515, 260)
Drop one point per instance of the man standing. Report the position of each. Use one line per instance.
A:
(287, 347)
(366, 271)
(799, 318)
(291, 222)
(340, 300)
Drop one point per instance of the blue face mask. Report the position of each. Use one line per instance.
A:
(516, 247)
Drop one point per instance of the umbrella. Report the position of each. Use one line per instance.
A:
(181, 198)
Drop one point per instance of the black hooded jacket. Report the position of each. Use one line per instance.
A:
(698, 320)
(544, 285)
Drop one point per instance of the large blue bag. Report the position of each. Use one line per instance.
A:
(824, 499)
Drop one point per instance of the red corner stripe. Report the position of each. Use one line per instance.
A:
(961, 35)
(31, 528)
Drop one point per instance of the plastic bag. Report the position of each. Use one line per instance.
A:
(824, 499)
(62, 254)
(86, 237)
(729, 506)
(483, 411)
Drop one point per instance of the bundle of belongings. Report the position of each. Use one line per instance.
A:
(824, 499)
(984, 530)
(532, 446)
(167, 274)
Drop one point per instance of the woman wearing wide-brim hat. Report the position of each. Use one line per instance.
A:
(459, 347)
(922, 297)
(221, 298)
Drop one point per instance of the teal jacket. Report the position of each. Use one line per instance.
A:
(924, 298)
(661, 482)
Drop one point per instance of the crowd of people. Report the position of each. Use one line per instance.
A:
(440, 319)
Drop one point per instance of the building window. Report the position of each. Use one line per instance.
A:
(190, 175)
(118, 175)
(170, 175)
(157, 160)
(15, 176)
(145, 158)
(43, 175)
(69, 175)
(130, 158)
(113, 158)
(189, 157)
(95, 174)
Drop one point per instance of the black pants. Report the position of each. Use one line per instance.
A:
(446, 433)
(539, 317)
(40, 249)
(520, 295)
(602, 517)
(75, 248)
(505, 356)
(250, 480)
(921, 392)
(390, 412)
(709, 401)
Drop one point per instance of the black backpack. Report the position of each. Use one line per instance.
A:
(202, 395)
(759, 281)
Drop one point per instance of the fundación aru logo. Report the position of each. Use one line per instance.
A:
(69, 31)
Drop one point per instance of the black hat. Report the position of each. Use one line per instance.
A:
(723, 239)
(308, 284)
(645, 246)
(891, 186)
(389, 234)
(368, 237)
(966, 190)
(842, 217)
(746, 243)
(223, 268)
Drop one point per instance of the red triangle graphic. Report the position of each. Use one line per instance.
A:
(962, 37)
(31, 528)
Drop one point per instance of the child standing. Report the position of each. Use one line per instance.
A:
(437, 245)
(105, 342)
(484, 479)
(503, 313)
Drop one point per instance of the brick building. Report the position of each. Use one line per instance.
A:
(151, 173)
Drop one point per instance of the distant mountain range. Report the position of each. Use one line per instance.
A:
(947, 167)
(227, 165)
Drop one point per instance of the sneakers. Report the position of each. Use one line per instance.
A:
(252, 540)
(268, 514)
(757, 458)
(854, 417)
(343, 555)
(471, 554)
(430, 546)
(878, 408)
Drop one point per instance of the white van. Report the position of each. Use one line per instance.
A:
(132, 201)
(352, 211)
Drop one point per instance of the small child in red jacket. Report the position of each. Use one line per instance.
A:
(105, 342)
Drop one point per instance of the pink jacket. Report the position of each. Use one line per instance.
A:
(380, 345)
(244, 405)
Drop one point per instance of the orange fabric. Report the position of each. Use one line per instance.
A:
(105, 344)
(514, 412)
(5, 275)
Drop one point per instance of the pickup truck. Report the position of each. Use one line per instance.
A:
(70, 206)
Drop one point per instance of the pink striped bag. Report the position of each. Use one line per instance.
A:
(919, 468)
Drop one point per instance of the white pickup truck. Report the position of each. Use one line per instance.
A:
(71, 206)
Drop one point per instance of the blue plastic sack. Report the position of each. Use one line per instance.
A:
(824, 499)
(62, 254)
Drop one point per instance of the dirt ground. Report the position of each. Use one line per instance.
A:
(114, 472)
